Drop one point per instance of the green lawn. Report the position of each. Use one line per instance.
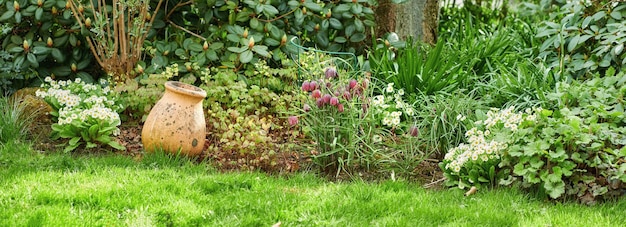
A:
(110, 190)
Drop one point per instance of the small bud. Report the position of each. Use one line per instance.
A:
(73, 67)
(316, 94)
(54, 10)
(39, 3)
(293, 120)
(148, 16)
(139, 69)
(365, 83)
(205, 46)
(340, 108)
(78, 42)
(68, 4)
(251, 43)
(387, 43)
(26, 46)
(81, 9)
(304, 10)
(165, 53)
(413, 131)
(16, 5)
(317, 27)
(245, 34)
(331, 72)
(334, 101)
(306, 108)
(329, 14)
(283, 40)
(88, 22)
(188, 67)
(354, 1)
(49, 42)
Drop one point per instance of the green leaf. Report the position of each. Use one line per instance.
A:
(57, 55)
(340, 39)
(32, 59)
(313, 6)
(6, 15)
(38, 13)
(270, 11)
(335, 23)
(246, 56)
(18, 17)
(17, 49)
(357, 37)
(261, 50)
(116, 145)
(74, 141)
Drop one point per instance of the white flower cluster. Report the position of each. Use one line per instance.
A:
(481, 147)
(391, 108)
(97, 105)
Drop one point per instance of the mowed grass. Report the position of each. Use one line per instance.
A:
(57, 189)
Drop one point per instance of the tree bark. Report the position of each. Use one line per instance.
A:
(416, 18)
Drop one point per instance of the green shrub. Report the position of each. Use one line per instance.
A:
(44, 40)
(582, 38)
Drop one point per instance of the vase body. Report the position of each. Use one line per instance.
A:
(176, 123)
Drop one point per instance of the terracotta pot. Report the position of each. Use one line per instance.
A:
(176, 123)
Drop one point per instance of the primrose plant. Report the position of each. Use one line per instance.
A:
(475, 163)
(390, 107)
(84, 113)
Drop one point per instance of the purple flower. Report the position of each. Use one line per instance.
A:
(331, 72)
(334, 101)
(312, 85)
(293, 120)
(316, 94)
(352, 84)
(347, 95)
(326, 98)
(319, 102)
(306, 108)
(340, 108)
(306, 86)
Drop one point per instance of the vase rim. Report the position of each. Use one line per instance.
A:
(186, 89)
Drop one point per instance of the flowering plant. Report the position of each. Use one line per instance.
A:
(390, 107)
(82, 111)
(475, 163)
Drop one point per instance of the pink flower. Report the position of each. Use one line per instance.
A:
(413, 131)
(306, 108)
(293, 120)
(352, 84)
(365, 83)
(306, 86)
(340, 108)
(331, 72)
(326, 98)
(316, 93)
(334, 101)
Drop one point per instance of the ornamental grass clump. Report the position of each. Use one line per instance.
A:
(84, 113)
(475, 163)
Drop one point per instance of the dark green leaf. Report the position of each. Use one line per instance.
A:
(57, 55)
(6, 15)
(38, 13)
(357, 37)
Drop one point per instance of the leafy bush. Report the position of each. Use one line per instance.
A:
(44, 40)
(232, 33)
(85, 113)
(577, 149)
(582, 38)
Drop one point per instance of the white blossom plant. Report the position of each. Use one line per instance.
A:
(84, 113)
(475, 163)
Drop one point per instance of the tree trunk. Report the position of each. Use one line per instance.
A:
(414, 18)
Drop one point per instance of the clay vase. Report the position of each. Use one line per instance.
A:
(176, 123)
